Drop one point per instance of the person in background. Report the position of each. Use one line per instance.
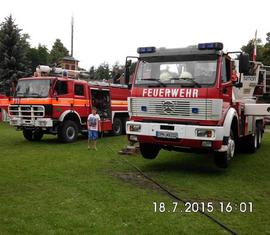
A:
(93, 126)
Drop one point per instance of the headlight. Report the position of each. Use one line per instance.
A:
(205, 133)
(134, 127)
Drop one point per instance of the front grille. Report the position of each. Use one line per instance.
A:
(196, 109)
(26, 111)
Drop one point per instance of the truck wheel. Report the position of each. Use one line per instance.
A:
(124, 125)
(117, 126)
(149, 151)
(68, 132)
(222, 159)
(259, 135)
(252, 142)
(28, 135)
(37, 135)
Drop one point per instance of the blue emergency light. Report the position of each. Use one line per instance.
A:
(142, 50)
(210, 46)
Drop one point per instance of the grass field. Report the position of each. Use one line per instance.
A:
(52, 188)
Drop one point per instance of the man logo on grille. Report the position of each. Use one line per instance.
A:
(168, 107)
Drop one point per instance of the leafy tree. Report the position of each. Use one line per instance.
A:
(249, 48)
(38, 56)
(102, 72)
(117, 69)
(263, 50)
(13, 52)
(266, 50)
(58, 51)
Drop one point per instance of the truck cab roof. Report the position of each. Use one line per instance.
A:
(179, 51)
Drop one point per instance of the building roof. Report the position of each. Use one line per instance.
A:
(71, 58)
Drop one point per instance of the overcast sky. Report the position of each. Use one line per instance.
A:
(109, 30)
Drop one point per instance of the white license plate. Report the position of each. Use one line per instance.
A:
(167, 134)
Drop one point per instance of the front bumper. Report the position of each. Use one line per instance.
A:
(178, 135)
(37, 122)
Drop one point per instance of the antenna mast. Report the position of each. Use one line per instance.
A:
(72, 24)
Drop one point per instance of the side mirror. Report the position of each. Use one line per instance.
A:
(127, 71)
(127, 75)
(129, 86)
(244, 63)
(128, 63)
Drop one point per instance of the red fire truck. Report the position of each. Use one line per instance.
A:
(196, 98)
(61, 105)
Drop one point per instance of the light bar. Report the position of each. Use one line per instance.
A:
(210, 46)
(143, 50)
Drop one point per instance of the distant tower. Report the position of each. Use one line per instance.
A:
(72, 25)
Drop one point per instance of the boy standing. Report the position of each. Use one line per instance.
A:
(93, 126)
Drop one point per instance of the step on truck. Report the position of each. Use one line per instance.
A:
(197, 98)
(56, 104)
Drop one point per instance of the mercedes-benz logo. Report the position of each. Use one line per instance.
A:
(168, 107)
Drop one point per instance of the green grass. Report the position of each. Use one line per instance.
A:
(52, 188)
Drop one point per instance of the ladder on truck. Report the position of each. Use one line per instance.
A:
(265, 97)
(267, 91)
(267, 80)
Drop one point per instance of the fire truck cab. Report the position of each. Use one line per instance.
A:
(195, 98)
(61, 105)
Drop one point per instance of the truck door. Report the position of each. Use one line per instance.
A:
(101, 99)
(61, 98)
(226, 83)
(81, 102)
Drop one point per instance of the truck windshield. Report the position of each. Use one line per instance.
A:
(33, 88)
(177, 73)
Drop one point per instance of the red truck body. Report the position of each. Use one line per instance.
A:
(185, 99)
(57, 105)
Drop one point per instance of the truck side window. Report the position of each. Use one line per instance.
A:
(79, 89)
(225, 73)
(61, 88)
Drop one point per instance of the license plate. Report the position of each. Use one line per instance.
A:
(167, 134)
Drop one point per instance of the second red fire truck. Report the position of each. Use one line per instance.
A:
(60, 105)
(196, 98)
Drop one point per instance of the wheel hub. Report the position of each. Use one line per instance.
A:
(70, 132)
(231, 148)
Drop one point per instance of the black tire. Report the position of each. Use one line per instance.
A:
(222, 159)
(28, 135)
(259, 135)
(68, 131)
(117, 127)
(149, 151)
(124, 124)
(37, 135)
(252, 142)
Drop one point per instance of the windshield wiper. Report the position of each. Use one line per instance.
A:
(188, 79)
(156, 80)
